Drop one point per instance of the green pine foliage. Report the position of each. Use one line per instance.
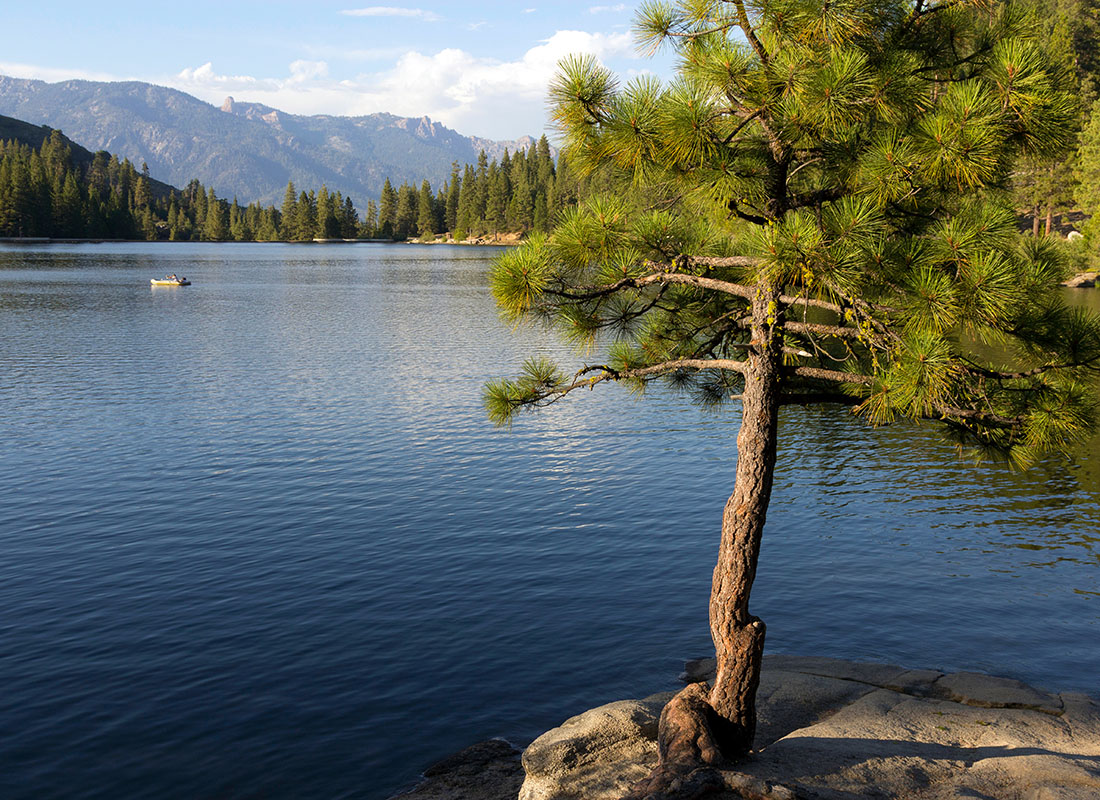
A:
(850, 163)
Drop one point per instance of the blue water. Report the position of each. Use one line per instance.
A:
(258, 539)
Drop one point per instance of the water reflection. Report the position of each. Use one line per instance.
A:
(251, 523)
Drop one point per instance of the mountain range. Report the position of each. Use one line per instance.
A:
(245, 150)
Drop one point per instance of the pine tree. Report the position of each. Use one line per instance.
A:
(454, 191)
(496, 198)
(349, 220)
(481, 186)
(369, 228)
(408, 204)
(215, 226)
(832, 225)
(327, 226)
(425, 217)
(290, 210)
(520, 213)
(387, 211)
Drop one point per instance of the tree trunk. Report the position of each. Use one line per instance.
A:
(739, 636)
(1035, 220)
(700, 729)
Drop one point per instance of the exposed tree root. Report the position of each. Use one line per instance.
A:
(691, 764)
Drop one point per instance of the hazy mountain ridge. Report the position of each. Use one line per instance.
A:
(246, 150)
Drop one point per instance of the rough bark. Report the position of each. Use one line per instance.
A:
(690, 760)
(702, 730)
(739, 636)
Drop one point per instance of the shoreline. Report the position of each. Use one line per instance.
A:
(827, 728)
(496, 240)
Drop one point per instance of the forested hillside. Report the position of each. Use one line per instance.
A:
(60, 190)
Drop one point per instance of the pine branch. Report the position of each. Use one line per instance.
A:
(608, 373)
(808, 328)
(982, 372)
(831, 375)
(750, 33)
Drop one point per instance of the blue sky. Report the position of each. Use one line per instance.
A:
(481, 68)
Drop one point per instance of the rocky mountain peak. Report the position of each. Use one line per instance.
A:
(245, 149)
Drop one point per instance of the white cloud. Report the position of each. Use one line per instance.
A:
(53, 75)
(476, 96)
(601, 9)
(392, 11)
(306, 71)
(205, 77)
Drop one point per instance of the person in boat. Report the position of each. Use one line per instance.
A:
(171, 277)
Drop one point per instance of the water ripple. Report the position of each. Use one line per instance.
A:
(250, 525)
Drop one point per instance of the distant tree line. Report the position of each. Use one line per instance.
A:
(522, 193)
(45, 193)
(1045, 188)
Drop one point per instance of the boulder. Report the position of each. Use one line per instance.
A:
(489, 770)
(840, 730)
(598, 754)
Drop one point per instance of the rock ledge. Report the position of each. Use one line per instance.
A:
(842, 730)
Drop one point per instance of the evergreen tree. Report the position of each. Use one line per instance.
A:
(216, 224)
(369, 228)
(464, 219)
(304, 224)
(328, 227)
(833, 224)
(454, 190)
(349, 220)
(268, 228)
(425, 215)
(387, 211)
(520, 213)
(496, 198)
(290, 209)
(481, 186)
(408, 204)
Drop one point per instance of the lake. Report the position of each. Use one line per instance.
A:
(258, 538)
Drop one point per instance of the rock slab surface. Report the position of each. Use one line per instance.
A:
(841, 730)
(1084, 280)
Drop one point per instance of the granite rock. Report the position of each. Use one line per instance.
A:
(600, 753)
(1084, 280)
(841, 730)
(489, 770)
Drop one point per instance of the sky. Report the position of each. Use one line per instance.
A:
(481, 68)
